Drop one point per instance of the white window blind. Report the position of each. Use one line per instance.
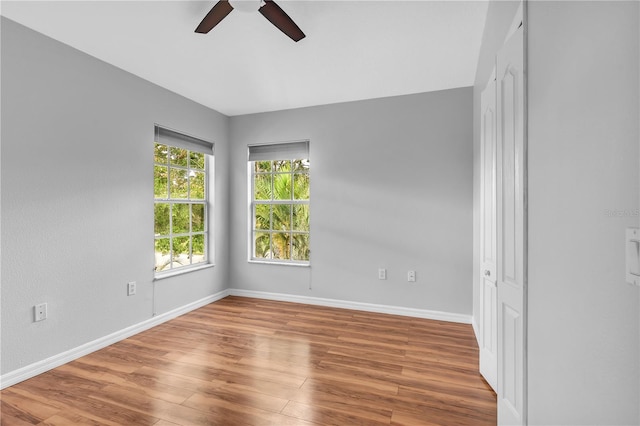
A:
(170, 137)
(279, 151)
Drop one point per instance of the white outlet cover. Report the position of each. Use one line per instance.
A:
(382, 274)
(40, 312)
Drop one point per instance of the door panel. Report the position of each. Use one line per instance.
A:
(488, 238)
(510, 391)
(511, 232)
(509, 186)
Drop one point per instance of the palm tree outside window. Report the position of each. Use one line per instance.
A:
(279, 183)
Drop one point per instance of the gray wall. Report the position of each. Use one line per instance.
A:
(584, 353)
(391, 186)
(77, 185)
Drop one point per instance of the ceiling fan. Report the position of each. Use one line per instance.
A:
(268, 8)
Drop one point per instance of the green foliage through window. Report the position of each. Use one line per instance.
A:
(280, 210)
(180, 207)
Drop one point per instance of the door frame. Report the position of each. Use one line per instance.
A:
(521, 20)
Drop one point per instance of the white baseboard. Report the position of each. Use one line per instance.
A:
(476, 332)
(358, 306)
(39, 367)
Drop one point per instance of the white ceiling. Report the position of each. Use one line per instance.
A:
(353, 50)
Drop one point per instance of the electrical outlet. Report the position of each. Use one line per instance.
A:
(131, 288)
(411, 276)
(382, 274)
(40, 312)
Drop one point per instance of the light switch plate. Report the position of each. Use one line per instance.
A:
(632, 249)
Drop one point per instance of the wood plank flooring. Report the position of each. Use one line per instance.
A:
(242, 361)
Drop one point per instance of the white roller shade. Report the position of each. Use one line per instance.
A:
(279, 151)
(170, 137)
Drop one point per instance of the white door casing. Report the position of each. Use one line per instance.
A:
(488, 237)
(511, 212)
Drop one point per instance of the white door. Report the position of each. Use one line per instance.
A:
(511, 232)
(488, 238)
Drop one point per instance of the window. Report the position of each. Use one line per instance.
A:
(279, 184)
(180, 200)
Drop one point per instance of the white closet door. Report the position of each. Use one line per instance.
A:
(488, 238)
(511, 232)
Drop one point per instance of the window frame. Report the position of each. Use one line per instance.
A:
(252, 230)
(172, 202)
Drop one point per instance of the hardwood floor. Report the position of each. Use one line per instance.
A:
(242, 361)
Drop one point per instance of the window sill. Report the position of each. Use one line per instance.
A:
(266, 262)
(162, 275)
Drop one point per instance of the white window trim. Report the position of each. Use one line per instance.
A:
(280, 263)
(208, 209)
(182, 270)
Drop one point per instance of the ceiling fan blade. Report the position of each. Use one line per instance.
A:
(281, 20)
(215, 15)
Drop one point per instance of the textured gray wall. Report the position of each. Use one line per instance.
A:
(77, 194)
(391, 186)
(584, 354)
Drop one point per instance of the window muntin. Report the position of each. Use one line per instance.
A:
(280, 211)
(180, 207)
